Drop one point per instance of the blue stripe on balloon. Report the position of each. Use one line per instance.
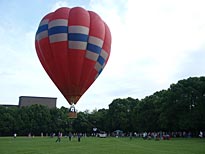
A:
(77, 37)
(100, 71)
(101, 60)
(42, 28)
(58, 30)
(93, 48)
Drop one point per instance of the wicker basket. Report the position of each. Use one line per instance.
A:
(72, 115)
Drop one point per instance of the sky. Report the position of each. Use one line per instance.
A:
(154, 44)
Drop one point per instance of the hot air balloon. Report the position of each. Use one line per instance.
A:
(73, 46)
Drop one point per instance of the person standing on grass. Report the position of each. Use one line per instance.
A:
(59, 137)
(201, 134)
(70, 136)
(79, 136)
(15, 135)
(130, 135)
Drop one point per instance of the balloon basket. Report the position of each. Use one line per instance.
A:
(72, 114)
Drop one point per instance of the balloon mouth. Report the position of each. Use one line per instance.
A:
(72, 99)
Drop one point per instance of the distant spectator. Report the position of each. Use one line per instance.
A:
(130, 135)
(79, 136)
(145, 135)
(29, 135)
(59, 137)
(15, 135)
(201, 134)
(70, 136)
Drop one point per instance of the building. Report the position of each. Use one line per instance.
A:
(50, 102)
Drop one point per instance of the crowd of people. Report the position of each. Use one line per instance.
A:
(160, 135)
(168, 135)
(70, 136)
(145, 135)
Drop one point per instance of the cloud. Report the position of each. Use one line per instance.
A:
(69, 4)
(59, 4)
(151, 42)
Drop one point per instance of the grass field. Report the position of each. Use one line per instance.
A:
(91, 145)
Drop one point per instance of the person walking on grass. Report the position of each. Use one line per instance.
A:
(59, 137)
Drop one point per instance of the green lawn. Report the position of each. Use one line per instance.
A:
(91, 145)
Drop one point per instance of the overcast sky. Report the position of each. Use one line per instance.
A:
(154, 43)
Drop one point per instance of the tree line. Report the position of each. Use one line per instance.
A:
(179, 108)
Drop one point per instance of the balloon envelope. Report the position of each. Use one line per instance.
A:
(73, 46)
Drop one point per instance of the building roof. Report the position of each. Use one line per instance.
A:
(50, 102)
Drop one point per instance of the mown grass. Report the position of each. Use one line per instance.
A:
(92, 145)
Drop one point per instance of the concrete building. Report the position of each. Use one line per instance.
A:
(50, 102)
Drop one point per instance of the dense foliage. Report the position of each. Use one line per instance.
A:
(179, 108)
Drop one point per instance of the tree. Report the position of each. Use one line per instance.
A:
(179, 108)
(120, 114)
(99, 119)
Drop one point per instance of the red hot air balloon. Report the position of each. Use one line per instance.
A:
(73, 46)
